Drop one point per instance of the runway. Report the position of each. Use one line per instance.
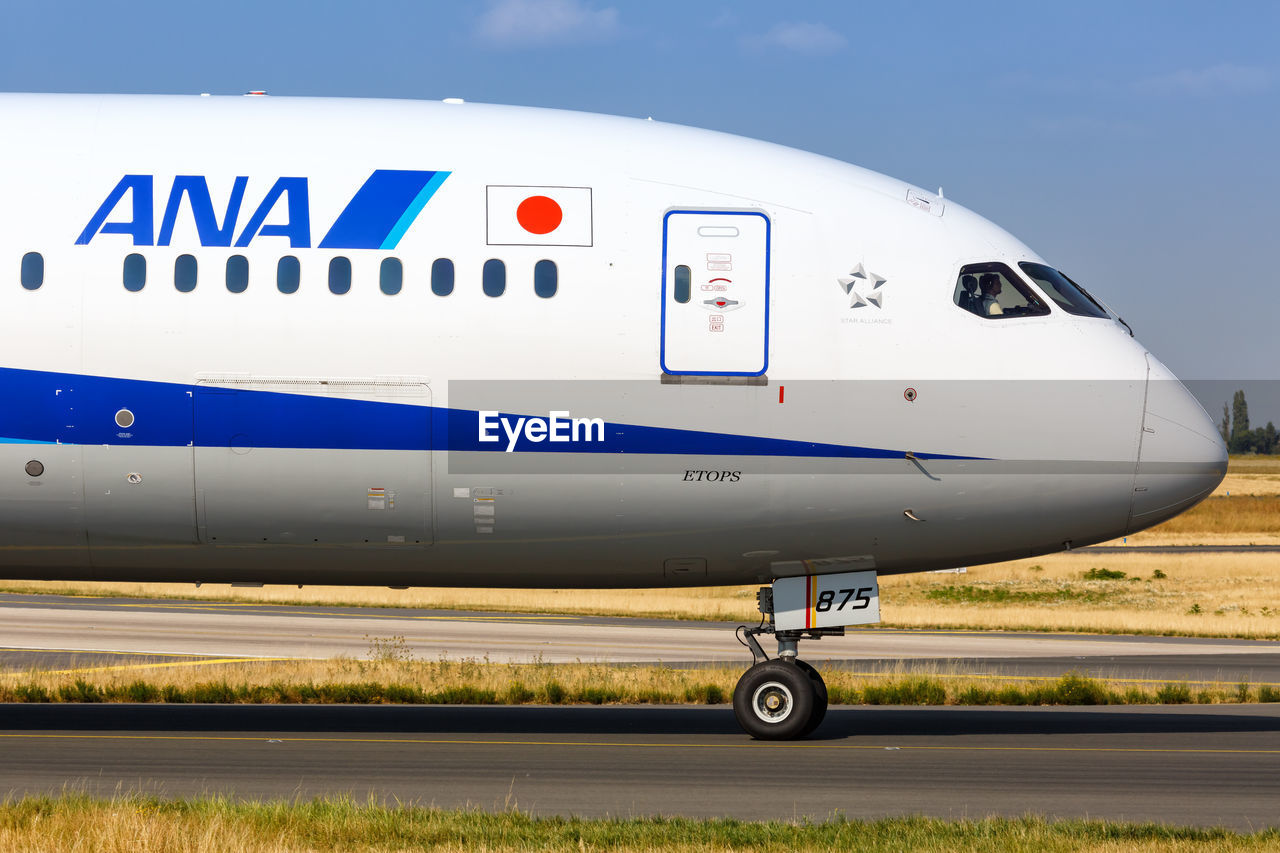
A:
(68, 632)
(1207, 765)
(1204, 765)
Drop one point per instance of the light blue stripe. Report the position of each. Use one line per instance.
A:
(24, 441)
(415, 207)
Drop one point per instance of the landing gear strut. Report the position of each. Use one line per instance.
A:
(784, 698)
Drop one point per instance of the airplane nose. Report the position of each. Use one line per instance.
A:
(1181, 457)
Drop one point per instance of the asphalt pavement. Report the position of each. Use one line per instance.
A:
(1201, 765)
(1191, 764)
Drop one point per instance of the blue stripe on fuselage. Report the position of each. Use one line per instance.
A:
(46, 407)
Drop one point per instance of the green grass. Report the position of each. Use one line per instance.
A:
(214, 824)
(984, 594)
(1096, 574)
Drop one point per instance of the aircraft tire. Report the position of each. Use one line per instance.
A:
(819, 697)
(774, 700)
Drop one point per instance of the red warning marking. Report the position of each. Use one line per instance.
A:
(722, 302)
(730, 281)
(538, 214)
(781, 388)
(810, 583)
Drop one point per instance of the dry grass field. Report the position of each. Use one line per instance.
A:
(1242, 517)
(1243, 510)
(1251, 465)
(1244, 484)
(1218, 595)
(212, 825)
(1199, 594)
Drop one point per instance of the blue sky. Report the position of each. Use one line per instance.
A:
(1135, 145)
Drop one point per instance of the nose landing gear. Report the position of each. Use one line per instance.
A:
(784, 698)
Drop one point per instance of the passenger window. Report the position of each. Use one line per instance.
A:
(442, 277)
(288, 274)
(1070, 296)
(339, 275)
(682, 286)
(32, 270)
(391, 276)
(992, 290)
(237, 273)
(135, 272)
(545, 279)
(184, 273)
(495, 277)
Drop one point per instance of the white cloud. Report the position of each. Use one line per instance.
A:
(801, 37)
(538, 22)
(1225, 79)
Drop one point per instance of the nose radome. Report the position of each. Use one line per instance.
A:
(1182, 458)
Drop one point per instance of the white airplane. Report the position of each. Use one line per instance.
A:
(314, 341)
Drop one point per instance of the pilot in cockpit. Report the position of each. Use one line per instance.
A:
(991, 287)
(969, 294)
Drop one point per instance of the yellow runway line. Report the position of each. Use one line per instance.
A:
(641, 744)
(154, 665)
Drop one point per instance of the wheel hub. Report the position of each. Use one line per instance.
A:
(772, 702)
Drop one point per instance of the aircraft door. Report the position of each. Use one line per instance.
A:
(313, 462)
(715, 293)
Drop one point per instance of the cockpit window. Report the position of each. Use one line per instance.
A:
(1070, 296)
(993, 290)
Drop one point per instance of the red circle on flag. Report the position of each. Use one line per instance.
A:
(538, 214)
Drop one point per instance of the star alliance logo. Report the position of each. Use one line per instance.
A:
(863, 286)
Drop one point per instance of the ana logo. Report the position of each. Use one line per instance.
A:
(863, 286)
(377, 216)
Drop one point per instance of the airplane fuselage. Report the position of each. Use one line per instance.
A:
(375, 342)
